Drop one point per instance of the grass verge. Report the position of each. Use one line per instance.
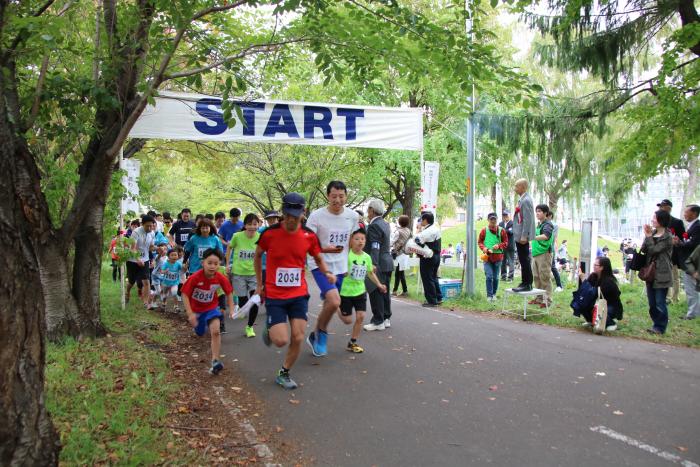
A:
(636, 316)
(109, 398)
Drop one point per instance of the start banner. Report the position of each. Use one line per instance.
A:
(200, 118)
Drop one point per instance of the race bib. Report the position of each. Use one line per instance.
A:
(170, 275)
(184, 237)
(358, 272)
(246, 255)
(204, 296)
(201, 250)
(338, 237)
(288, 277)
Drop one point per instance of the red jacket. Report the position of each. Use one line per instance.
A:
(494, 257)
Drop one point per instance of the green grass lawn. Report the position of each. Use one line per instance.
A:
(636, 316)
(109, 397)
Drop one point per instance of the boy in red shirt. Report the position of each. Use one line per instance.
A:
(286, 294)
(201, 302)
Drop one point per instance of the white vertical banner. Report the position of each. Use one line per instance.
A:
(130, 182)
(429, 186)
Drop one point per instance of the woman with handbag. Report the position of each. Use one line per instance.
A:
(602, 277)
(657, 272)
(402, 235)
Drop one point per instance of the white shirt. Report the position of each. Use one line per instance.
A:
(143, 243)
(332, 230)
(429, 234)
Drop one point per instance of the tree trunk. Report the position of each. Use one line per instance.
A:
(493, 197)
(693, 179)
(409, 198)
(27, 434)
(553, 200)
(87, 268)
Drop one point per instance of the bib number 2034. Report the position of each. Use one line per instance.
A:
(288, 277)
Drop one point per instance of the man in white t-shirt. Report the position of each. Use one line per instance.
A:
(333, 226)
(137, 269)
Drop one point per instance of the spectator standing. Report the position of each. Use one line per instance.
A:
(493, 242)
(692, 269)
(378, 247)
(508, 266)
(430, 236)
(402, 235)
(542, 255)
(555, 234)
(683, 249)
(458, 251)
(677, 229)
(658, 247)
(524, 233)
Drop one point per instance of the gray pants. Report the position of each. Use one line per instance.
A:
(692, 295)
(508, 266)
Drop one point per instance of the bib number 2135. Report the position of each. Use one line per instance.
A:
(288, 277)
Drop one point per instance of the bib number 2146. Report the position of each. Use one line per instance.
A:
(288, 277)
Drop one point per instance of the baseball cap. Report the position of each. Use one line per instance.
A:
(293, 204)
(272, 213)
(505, 213)
(492, 215)
(665, 202)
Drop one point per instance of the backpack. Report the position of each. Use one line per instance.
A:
(584, 298)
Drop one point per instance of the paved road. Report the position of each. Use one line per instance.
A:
(442, 388)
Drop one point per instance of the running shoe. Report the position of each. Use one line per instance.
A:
(284, 380)
(222, 328)
(216, 367)
(320, 349)
(354, 348)
(249, 332)
(266, 337)
(387, 324)
(311, 341)
(374, 327)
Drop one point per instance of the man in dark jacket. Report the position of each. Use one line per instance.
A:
(684, 248)
(508, 267)
(378, 246)
(677, 230)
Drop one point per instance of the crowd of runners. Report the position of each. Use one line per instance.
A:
(211, 266)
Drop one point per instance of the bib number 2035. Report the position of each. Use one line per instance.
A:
(288, 277)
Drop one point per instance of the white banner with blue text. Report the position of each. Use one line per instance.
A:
(200, 118)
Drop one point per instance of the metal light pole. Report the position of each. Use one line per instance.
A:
(470, 264)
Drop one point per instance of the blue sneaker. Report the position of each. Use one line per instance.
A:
(311, 341)
(285, 381)
(216, 367)
(320, 349)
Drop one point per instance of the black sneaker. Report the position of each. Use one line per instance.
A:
(216, 367)
(429, 305)
(266, 337)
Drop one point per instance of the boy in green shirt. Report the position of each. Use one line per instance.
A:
(353, 293)
(239, 260)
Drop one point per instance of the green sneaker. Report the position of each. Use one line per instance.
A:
(285, 381)
(249, 332)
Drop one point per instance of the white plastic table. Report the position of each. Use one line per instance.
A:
(525, 295)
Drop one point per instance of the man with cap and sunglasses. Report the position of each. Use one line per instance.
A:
(677, 229)
(285, 290)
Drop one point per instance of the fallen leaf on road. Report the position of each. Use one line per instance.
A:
(492, 398)
(279, 429)
(420, 381)
(435, 324)
(294, 401)
(480, 359)
(618, 412)
(682, 448)
(493, 388)
(600, 373)
(445, 401)
(364, 372)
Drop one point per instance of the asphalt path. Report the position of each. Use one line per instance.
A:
(448, 388)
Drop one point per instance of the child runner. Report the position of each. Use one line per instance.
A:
(200, 297)
(203, 238)
(160, 259)
(285, 290)
(170, 278)
(353, 293)
(183, 273)
(239, 260)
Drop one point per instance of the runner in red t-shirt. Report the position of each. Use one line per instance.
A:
(201, 302)
(285, 290)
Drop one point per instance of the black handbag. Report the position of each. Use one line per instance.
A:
(639, 260)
